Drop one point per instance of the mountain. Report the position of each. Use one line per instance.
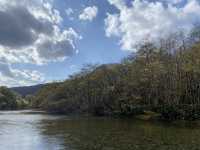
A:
(27, 90)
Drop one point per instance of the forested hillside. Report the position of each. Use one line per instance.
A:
(27, 90)
(10, 100)
(162, 77)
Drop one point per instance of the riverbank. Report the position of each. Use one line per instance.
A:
(23, 111)
(163, 112)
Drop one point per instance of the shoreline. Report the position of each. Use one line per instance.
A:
(145, 116)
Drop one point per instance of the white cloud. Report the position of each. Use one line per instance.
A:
(13, 77)
(112, 23)
(89, 13)
(31, 32)
(31, 28)
(69, 12)
(144, 19)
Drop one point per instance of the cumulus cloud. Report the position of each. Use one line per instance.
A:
(14, 77)
(149, 19)
(34, 30)
(89, 13)
(18, 27)
(31, 32)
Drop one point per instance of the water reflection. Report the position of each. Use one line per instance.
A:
(108, 134)
(26, 131)
(21, 131)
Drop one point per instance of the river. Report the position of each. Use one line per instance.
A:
(28, 130)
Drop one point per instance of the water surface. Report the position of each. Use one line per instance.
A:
(25, 130)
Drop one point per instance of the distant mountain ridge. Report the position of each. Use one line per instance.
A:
(27, 90)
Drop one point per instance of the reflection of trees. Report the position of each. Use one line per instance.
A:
(119, 134)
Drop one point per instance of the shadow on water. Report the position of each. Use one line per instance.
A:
(26, 131)
(123, 134)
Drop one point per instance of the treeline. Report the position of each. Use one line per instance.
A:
(163, 77)
(10, 100)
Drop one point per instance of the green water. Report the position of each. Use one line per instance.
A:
(22, 130)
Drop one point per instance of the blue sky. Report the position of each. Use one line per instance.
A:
(57, 37)
(94, 47)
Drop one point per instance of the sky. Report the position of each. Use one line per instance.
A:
(47, 40)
